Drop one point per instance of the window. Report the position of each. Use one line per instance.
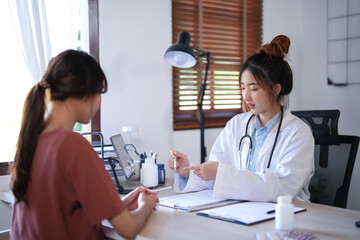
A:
(64, 20)
(15, 82)
(231, 31)
(343, 42)
(93, 12)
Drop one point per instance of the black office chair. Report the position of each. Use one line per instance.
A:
(334, 158)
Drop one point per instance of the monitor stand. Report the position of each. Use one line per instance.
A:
(121, 190)
(112, 161)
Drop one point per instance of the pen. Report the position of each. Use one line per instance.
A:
(271, 211)
(175, 164)
(172, 153)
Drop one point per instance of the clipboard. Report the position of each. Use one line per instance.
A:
(246, 213)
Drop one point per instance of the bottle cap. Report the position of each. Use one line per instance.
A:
(284, 199)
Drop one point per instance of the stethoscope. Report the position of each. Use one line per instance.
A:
(247, 138)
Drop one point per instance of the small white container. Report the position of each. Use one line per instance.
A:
(284, 214)
(149, 173)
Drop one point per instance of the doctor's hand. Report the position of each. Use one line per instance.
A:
(131, 199)
(182, 161)
(206, 171)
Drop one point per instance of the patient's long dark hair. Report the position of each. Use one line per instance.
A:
(71, 74)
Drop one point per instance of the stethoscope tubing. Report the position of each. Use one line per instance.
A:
(250, 139)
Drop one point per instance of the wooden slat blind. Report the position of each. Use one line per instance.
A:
(231, 31)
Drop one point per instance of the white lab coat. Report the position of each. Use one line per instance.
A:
(290, 171)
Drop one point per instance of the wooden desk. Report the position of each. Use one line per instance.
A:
(166, 223)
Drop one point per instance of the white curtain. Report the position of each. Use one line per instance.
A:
(30, 17)
(46, 28)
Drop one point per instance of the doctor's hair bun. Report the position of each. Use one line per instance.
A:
(278, 47)
(269, 67)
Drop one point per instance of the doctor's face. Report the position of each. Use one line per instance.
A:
(256, 98)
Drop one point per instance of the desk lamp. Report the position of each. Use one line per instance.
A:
(181, 55)
(129, 130)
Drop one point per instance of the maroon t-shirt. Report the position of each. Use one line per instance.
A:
(69, 192)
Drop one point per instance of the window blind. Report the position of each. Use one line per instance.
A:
(231, 31)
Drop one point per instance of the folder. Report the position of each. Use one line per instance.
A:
(195, 201)
(247, 213)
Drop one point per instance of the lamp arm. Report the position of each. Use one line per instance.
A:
(203, 86)
(200, 107)
(203, 53)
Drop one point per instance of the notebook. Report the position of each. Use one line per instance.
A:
(195, 201)
(246, 213)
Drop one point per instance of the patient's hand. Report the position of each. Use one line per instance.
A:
(131, 199)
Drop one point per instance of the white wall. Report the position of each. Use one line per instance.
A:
(133, 38)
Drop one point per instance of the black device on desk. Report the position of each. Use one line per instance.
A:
(125, 160)
(113, 160)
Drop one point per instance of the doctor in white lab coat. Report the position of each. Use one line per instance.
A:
(281, 160)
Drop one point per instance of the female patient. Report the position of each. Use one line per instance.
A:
(61, 187)
(263, 153)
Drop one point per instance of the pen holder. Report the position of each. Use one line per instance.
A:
(149, 173)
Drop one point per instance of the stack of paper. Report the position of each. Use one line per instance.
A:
(195, 201)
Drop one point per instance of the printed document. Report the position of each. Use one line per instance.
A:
(195, 201)
(247, 213)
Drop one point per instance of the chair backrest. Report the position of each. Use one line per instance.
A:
(334, 158)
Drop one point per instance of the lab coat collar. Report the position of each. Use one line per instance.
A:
(269, 141)
(269, 125)
(286, 121)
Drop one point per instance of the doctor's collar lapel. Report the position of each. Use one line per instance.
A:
(269, 141)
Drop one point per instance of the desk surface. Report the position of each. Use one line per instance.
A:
(325, 222)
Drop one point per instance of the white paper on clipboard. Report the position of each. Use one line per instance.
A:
(195, 201)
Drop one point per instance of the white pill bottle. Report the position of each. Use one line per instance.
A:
(284, 214)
